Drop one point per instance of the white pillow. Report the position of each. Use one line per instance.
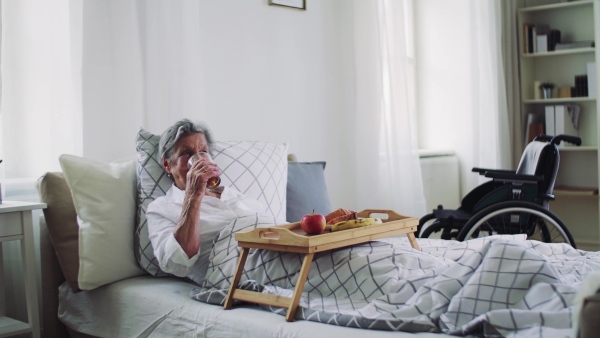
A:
(257, 169)
(104, 195)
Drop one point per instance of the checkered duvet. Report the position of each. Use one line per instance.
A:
(502, 285)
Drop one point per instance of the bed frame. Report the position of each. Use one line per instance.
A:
(52, 278)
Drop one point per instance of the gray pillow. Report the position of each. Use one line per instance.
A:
(306, 190)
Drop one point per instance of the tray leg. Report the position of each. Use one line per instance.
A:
(236, 278)
(299, 286)
(413, 240)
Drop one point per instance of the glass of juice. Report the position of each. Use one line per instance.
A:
(212, 182)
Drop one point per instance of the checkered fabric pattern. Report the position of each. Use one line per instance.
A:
(498, 285)
(152, 182)
(257, 169)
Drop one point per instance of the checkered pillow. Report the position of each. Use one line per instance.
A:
(257, 169)
(152, 182)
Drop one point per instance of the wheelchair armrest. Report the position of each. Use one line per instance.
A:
(482, 171)
(502, 176)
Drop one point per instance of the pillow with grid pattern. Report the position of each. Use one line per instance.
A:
(257, 169)
(152, 182)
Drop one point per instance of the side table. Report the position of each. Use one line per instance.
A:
(16, 224)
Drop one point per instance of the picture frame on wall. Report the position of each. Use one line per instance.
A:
(298, 4)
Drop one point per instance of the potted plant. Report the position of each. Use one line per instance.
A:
(547, 88)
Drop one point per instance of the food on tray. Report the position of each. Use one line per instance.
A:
(313, 223)
(339, 215)
(355, 223)
(343, 218)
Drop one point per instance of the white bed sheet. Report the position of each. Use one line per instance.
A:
(161, 307)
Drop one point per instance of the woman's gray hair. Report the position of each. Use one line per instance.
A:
(181, 128)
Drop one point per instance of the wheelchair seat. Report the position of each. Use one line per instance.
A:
(512, 202)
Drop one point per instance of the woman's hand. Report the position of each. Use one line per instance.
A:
(200, 172)
(187, 232)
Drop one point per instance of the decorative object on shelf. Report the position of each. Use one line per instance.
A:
(564, 92)
(574, 111)
(298, 4)
(547, 88)
(537, 90)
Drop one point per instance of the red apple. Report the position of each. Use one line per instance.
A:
(313, 223)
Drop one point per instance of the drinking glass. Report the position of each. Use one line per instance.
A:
(212, 182)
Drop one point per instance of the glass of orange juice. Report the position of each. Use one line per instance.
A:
(212, 182)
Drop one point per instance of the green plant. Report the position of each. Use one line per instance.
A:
(547, 85)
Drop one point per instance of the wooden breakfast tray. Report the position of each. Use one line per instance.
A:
(291, 238)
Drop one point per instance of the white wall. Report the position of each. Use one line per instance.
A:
(267, 73)
(281, 75)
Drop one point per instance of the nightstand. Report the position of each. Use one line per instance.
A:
(16, 225)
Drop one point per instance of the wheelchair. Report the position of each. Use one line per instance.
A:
(512, 202)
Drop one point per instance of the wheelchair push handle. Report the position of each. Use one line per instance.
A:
(576, 140)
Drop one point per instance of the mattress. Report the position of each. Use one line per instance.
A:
(161, 307)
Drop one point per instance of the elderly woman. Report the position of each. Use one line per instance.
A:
(183, 223)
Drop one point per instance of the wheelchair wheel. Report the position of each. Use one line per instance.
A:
(518, 217)
(430, 228)
(424, 223)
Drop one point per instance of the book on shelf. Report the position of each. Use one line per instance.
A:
(558, 119)
(581, 86)
(539, 38)
(553, 39)
(563, 123)
(535, 126)
(574, 44)
(531, 33)
(539, 29)
(541, 43)
(527, 38)
(550, 129)
(575, 191)
(591, 79)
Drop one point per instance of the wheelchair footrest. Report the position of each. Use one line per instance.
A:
(447, 214)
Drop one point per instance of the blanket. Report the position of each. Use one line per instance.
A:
(492, 286)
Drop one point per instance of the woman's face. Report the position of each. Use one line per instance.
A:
(177, 164)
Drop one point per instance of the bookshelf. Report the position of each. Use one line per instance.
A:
(576, 191)
(559, 100)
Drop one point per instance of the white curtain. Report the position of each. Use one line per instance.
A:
(491, 142)
(41, 103)
(140, 67)
(81, 77)
(388, 173)
(510, 53)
